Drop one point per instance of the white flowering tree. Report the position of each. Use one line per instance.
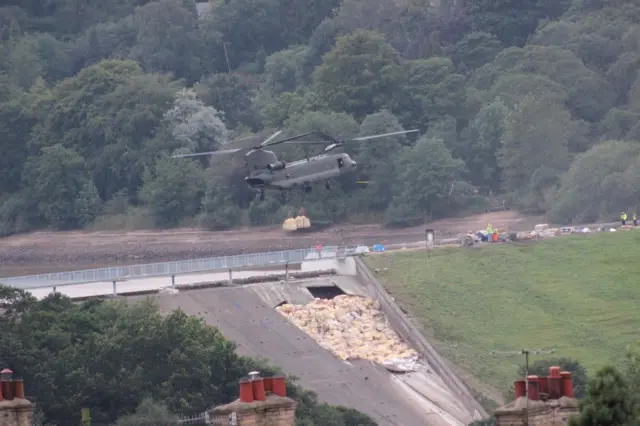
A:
(195, 126)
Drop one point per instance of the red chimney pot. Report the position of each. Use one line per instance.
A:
(258, 389)
(554, 371)
(520, 388)
(246, 391)
(555, 387)
(534, 391)
(18, 388)
(268, 384)
(279, 386)
(567, 384)
(543, 384)
(6, 375)
(7, 390)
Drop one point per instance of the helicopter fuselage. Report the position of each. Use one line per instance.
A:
(284, 176)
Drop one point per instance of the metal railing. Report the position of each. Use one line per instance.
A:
(276, 258)
(211, 264)
(199, 419)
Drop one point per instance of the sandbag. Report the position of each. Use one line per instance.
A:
(290, 225)
(351, 327)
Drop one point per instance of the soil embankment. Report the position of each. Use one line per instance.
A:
(43, 252)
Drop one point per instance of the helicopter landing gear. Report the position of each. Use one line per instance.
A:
(327, 185)
(262, 195)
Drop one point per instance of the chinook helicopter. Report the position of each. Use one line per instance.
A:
(266, 171)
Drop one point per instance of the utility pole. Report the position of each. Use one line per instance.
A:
(526, 353)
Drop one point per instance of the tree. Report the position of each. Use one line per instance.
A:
(16, 123)
(359, 74)
(475, 50)
(486, 132)
(193, 125)
(431, 91)
(512, 22)
(285, 70)
(173, 190)
(106, 113)
(377, 159)
(166, 38)
(607, 402)
(599, 183)
(38, 55)
(218, 209)
(427, 172)
(149, 413)
(106, 86)
(56, 179)
(232, 94)
(130, 363)
(534, 149)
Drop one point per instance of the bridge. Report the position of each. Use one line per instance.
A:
(275, 259)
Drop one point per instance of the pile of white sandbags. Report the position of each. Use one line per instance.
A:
(352, 327)
(299, 222)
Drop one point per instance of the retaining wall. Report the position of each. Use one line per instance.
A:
(405, 328)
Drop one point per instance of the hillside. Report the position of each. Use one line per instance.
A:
(531, 105)
(575, 294)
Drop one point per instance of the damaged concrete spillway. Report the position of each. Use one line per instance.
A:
(247, 315)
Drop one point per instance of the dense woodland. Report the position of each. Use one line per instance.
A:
(532, 105)
(130, 364)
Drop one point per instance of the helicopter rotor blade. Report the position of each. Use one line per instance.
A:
(358, 139)
(308, 142)
(270, 138)
(287, 140)
(198, 154)
(383, 135)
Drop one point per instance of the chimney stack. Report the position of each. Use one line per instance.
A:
(263, 401)
(543, 407)
(20, 411)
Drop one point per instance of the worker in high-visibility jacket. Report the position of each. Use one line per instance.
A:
(623, 218)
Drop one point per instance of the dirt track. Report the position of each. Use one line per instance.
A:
(42, 252)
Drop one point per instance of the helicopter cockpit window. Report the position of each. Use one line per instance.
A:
(340, 162)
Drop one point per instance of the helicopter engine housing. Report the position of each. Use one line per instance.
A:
(278, 165)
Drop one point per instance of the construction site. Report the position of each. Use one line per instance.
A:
(343, 337)
(331, 323)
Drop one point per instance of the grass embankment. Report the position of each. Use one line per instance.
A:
(577, 294)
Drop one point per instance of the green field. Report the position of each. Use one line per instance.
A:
(577, 294)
